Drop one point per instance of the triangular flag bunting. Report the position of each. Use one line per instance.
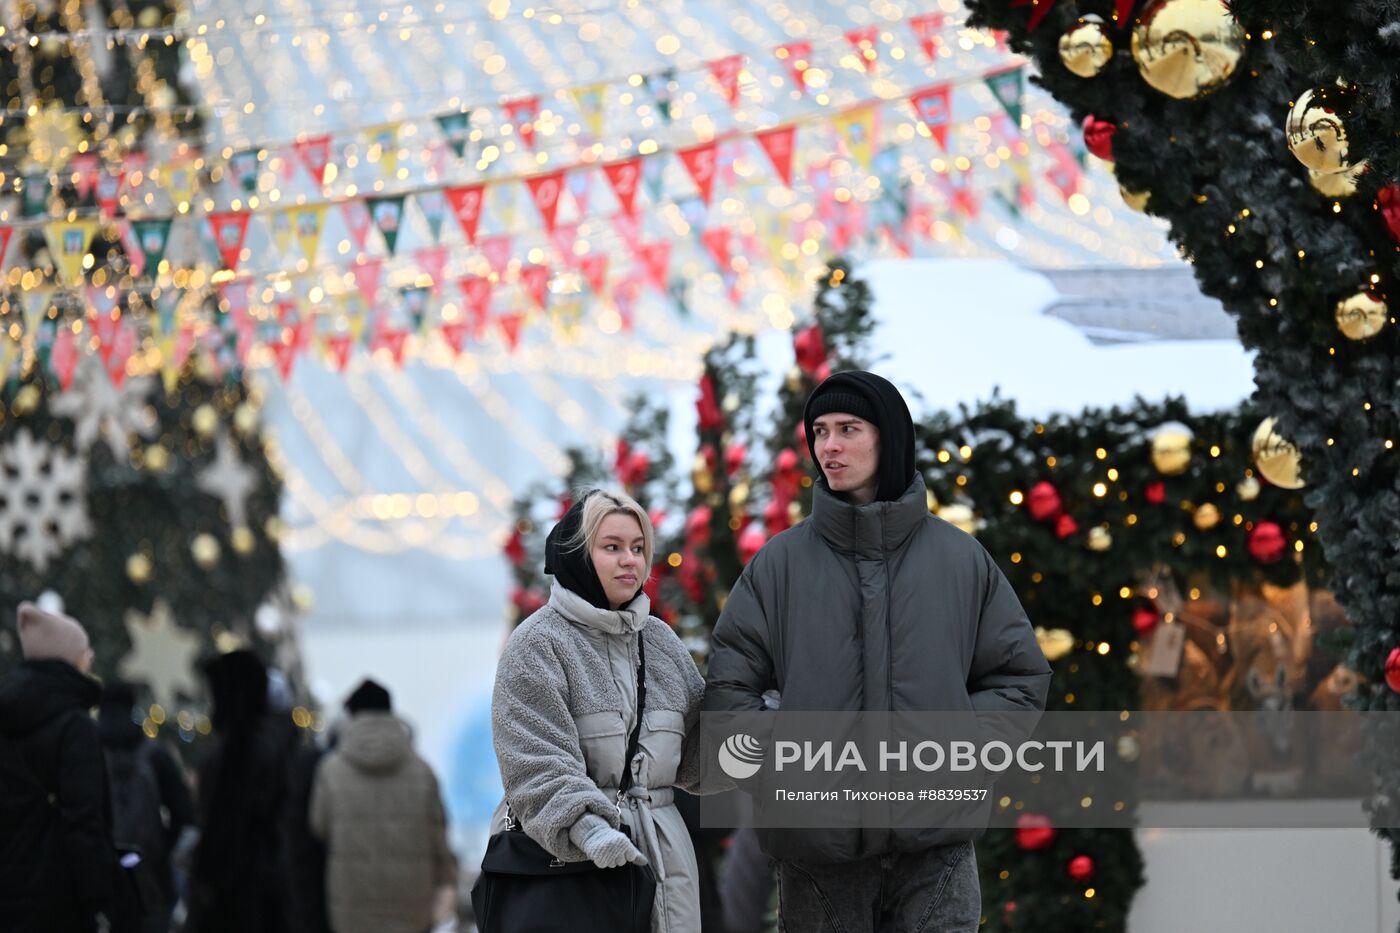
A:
(716, 240)
(152, 236)
(388, 217)
(778, 144)
(63, 357)
(590, 101)
(726, 72)
(84, 169)
(178, 180)
(927, 28)
(307, 223)
(415, 303)
(385, 138)
(623, 177)
(433, 204)
(456, 130)
(366, 278)
(315, 154)
(35, 194)
(496, 249)
(339, 347)
(700, 162)
(510, 327)
(1007, 86)
(629, 227)
(433, 260)
(858, 132)
(522, 115)
(564, 236)
(656, 257)
(357, 221)
(660, 86)
(595, 271)
(6, 232)
(465, 201)
(934, 107)
(454, 334)
(654, 176)
(545, 191)
(864, 42)
(476, 298)
(68, 243)
(243, 165)
(580, 183)
(281, 224)
(535, 279)
(109, 186)
(797, 56)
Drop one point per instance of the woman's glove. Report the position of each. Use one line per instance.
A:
(605, 846)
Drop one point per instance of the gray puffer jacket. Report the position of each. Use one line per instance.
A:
(873, 607)
(564, 705)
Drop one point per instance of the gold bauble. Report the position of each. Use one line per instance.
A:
(156, 458)
(273, 528)
(1247, 489)
(959, 516)
(700, 476)
(205, 420)
(1187, 48)
(205, 549)
(1137, 200)
(793, 380)
(26, 399)
(245, 419)
(795, 512)
(1099, 539)
(738, 495)
(1276, 458)
(243, 540)
(1206, 516)
(1171, 449)
(1054, 643)
(1086, 48)
(730, 403)
(1362, 315)
(138, 568)
(1337, 184)
(1316, 129)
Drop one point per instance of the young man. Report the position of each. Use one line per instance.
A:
(873, 604)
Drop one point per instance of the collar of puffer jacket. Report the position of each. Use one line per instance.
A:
(580, 611)
(868, 531)
(375, 742)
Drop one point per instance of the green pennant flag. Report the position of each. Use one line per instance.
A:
(415, 302)
(456, 129)
(433, 204)
(244, 166)
(660, 87)
(36, 194)
(1007, 86)
(166, 305)
(152, 236)
(387, 214)
(654, 175)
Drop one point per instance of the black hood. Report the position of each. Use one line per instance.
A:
(36, 692)
(891, 417)
(570, 566)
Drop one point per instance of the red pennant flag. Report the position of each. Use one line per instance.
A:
(123, 345)
(109, 186)
(595, 271)
(545, 191)
(798, 58)
(580, 182)
(286, 310)
(629, 227)
(535, 278)
(522, 114)
(726, 72)
(230, 228)
(716, 240)
(700, 162)
(285, 352)
(466, 201)
(625, 295)
(5, 233)
(656, 257)
(340, 346)
(934, 107)
(366, 276)
(455, 335)
(476, 294)
(510, 326)
(496, 249)
(927, 27)
(315, 154)
(778, 143)
(357, 221)
(623, 176)
(433, 260)
(563, 237)
(863, 41)
(85, 167)
(63, 356)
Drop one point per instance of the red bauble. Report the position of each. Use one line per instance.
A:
(707, 411)
(734, 457)
(697, 526)
(1392, 670)
(1144, 621)
(1155, 492)
(1267, 543)
(787, 460)
(1034, 831)
(634, 471)
(775, 516)
(809, 346)
(1043, 501)
(751, 539)
(1081, 868)
(1098, 137)
(526, 602)
(1388, 203)
(620, 460)
(1065, 526)
(515, 548)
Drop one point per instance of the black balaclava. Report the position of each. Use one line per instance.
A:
(873, 398)
(567, 560)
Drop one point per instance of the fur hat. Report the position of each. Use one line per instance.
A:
(45, 635)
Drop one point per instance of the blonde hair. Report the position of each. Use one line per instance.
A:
(599, 505)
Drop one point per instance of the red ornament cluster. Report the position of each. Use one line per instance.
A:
(1044, 504)
(1267, 543)
(809, 346)
(1392, 670)
(1034, 832)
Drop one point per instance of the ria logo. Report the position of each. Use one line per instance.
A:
(740, 756)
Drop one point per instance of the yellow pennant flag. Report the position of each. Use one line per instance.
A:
(356, 316)
(590, 101)
(36, 303)
(307, 222)
(282, 229)
(169, 372)
(386, 138)
(504, 197)
(857, 129)
(68, 243)
(9, 349)
(178, 179)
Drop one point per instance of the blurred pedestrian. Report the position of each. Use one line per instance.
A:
(57, 862)
(151, 801)
(377, 806)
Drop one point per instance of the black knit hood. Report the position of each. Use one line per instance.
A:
(880, 403)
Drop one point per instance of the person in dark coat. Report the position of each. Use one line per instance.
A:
(151, 801)
(873, 605)
(57, 862)
(239, 880)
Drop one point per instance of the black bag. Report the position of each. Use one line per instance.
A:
(522, 888)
